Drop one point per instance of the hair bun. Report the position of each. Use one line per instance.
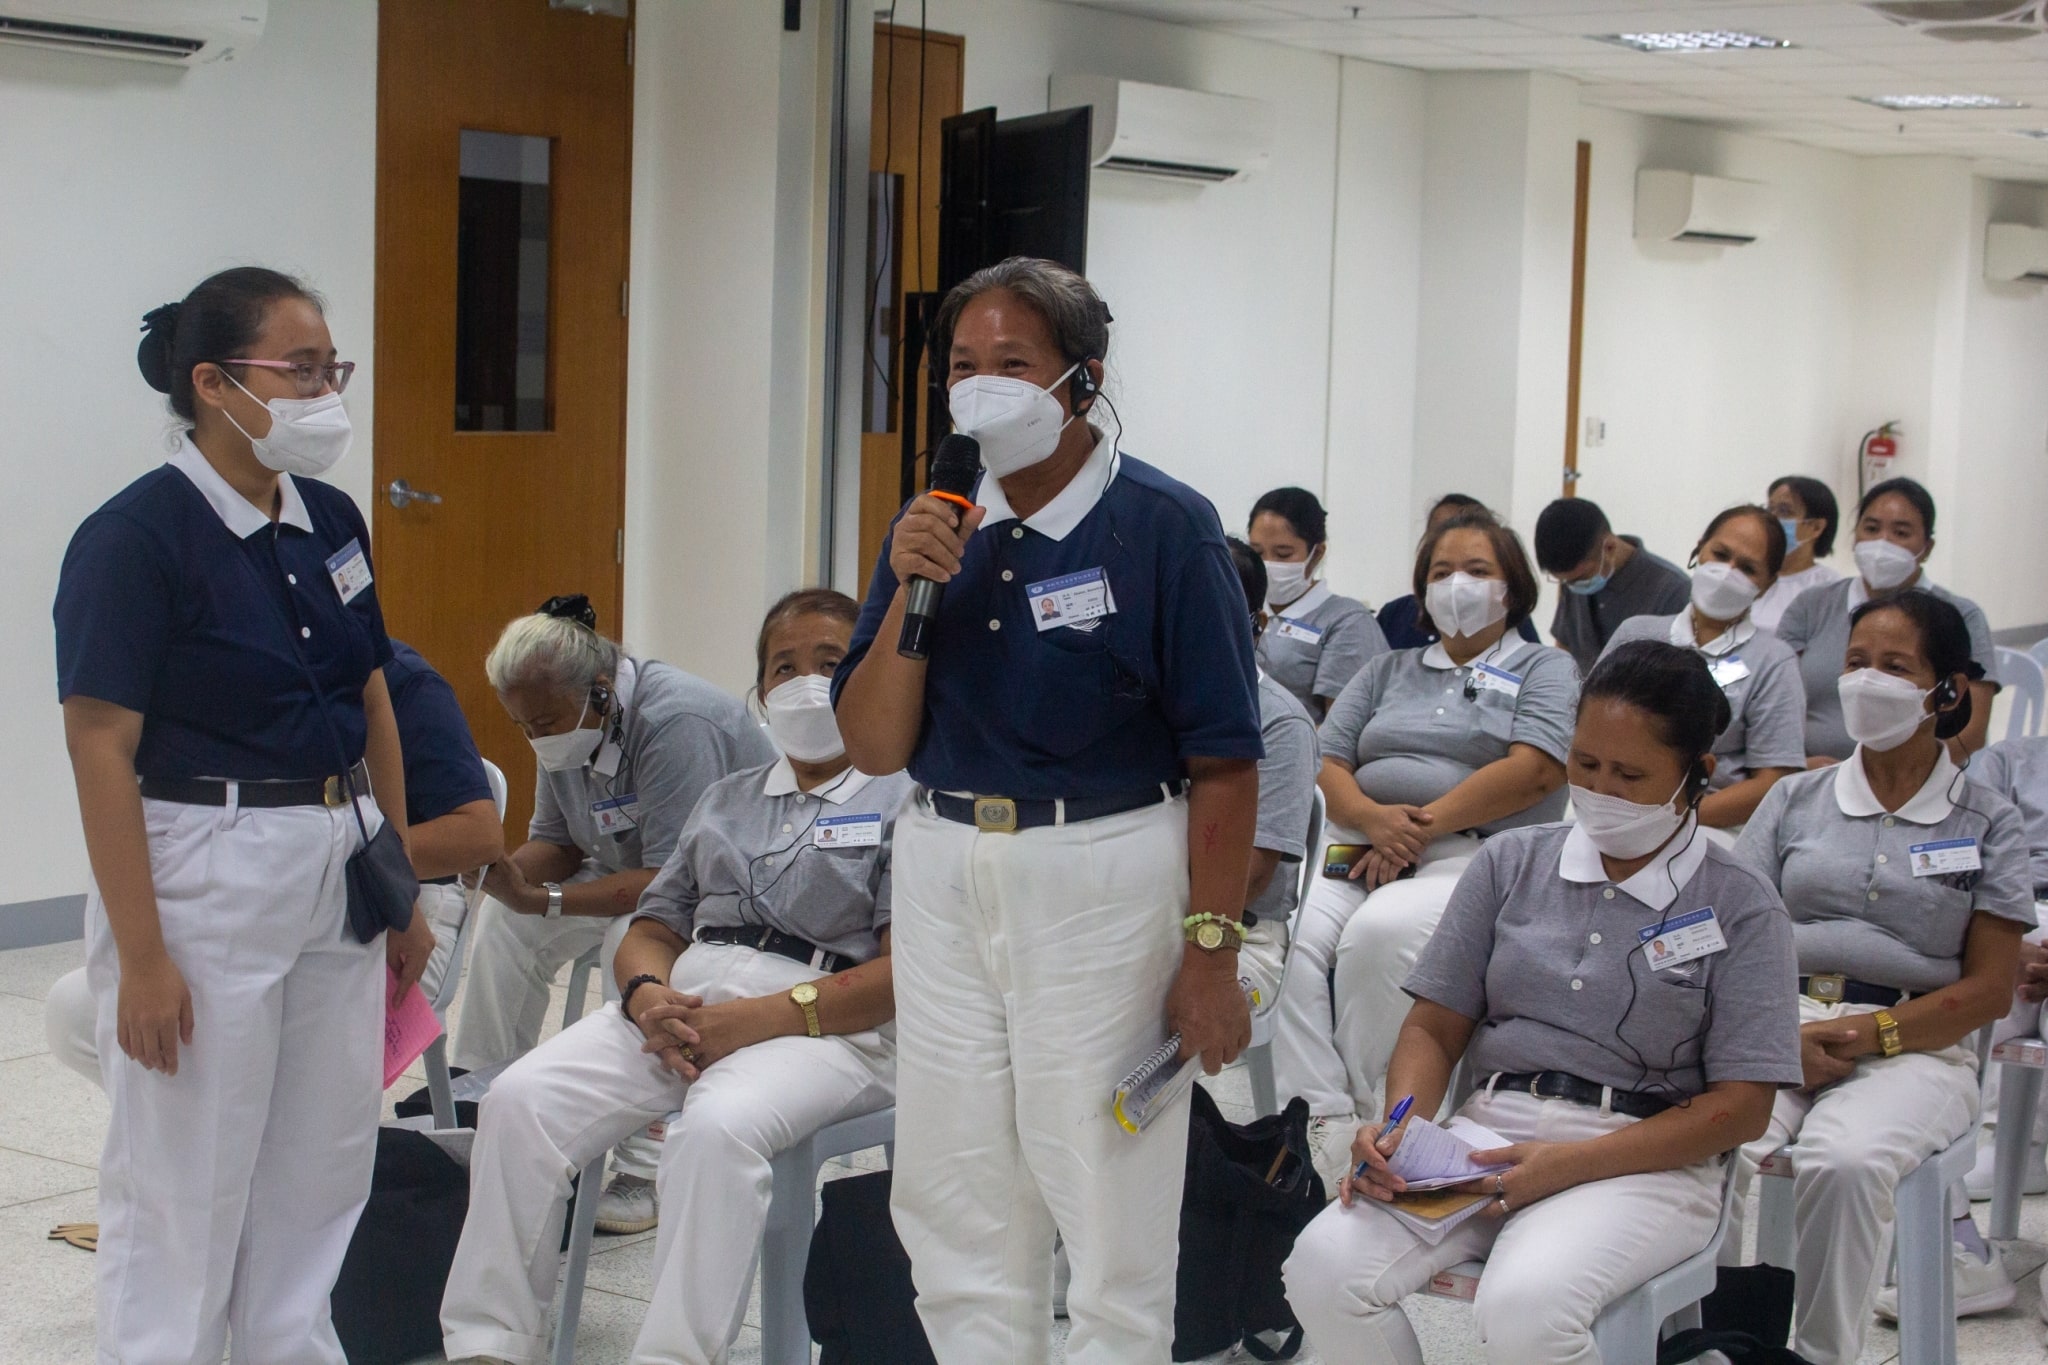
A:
(153, 355)
(572, 606)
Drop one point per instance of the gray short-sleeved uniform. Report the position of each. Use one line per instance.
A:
(1648, 585)
(1759, 675)
(679, 735)
(1409, 730)
(2017, 769)
(759, 852)
(1287, 786)
(1546, 953)
(1816, 627)
(1316, 645)
(1846, 870)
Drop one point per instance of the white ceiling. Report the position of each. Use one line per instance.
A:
(1803, 94)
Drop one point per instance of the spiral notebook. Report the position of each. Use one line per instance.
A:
(1159, 1080)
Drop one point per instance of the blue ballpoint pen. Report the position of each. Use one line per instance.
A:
(1393, 1121)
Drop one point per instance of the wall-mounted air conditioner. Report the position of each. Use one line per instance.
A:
(1678, 206)
(2014, 251)
(181, 32)
(1158, 130)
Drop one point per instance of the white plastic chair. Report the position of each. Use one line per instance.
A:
(2038, 652)
(1922, 1236)
(2023, 674)
(785, 1246)
(1258, 1058)
(1628, 1330)
(2020, 1062)
(435, 1062)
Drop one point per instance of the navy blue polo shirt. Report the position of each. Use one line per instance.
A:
(1104, 706)
(443, 771)
(180, 600)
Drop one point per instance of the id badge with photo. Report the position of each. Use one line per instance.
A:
(1684, 939)
(848, 831)
(618, 815)
(1943, 856)
(1075, 599)
(350, 570)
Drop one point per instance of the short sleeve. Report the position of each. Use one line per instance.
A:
(114, 613)
(1982, 650)
(1287, 784)
(1675, 594)
(443, 771)
(1754, 1030)
(1208, 681)
(2006, 886)
(1352, 712)
(1547, 707)
(1796, 626)
(548, 826)
(881, 592)
(670, 900)
(671, 770)
(1992, 767)
(1775, 736)
(1452, 969)
(1761, 846)
(1349, 644)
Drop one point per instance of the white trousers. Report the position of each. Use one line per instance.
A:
(1342, 1006)
(1550, 1268)
(1852, 1144)
(583, 1090)
(228, 1193)
(1032, 971)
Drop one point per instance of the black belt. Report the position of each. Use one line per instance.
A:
(1562, 1085)
(781, 944)
(1003, 815)
(208, 791)
(1835, 989)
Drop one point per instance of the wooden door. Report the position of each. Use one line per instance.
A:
(504, 145)
(917, 83)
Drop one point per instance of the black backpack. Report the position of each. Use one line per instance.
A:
(857, 1291)
(1251, 1188)
(387, 1301)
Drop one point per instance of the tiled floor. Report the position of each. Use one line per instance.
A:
(51, 1123)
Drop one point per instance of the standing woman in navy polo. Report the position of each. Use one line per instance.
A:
(1069, 878)
(240, 1021)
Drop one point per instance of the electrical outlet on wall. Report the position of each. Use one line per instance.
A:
(1596, 432)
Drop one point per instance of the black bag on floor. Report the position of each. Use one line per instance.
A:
(420, 1103)
(1740, 1347)
(1250, 1190)
(387, 1301)
(1750, 1308)
(857, 1291)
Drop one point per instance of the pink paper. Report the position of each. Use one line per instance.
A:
(408, 1029)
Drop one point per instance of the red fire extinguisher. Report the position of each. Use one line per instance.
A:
(1875, 454)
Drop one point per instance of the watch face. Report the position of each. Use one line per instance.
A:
(806, 994)
(1209, 936)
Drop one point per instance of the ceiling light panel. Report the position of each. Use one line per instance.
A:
(1713, 40)
(1922, 103)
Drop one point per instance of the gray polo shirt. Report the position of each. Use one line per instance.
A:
(759, 852)
(1758, 674)
(1287, 787)
(1816, 627)
(1548, 956)
(1314, 646)
(1412, 726)
(1648, 585)
(2017, 769)
(678, 734)
(1846, 866)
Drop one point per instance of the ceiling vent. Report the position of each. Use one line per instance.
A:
(178, 32)
(1969, 21)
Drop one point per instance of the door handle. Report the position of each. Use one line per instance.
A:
(403, 494)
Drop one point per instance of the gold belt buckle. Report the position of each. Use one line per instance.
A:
(995, 815)
(333, 792)
(1827, 987)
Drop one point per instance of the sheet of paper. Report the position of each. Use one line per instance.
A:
(1430, 1158)
(408, 1028)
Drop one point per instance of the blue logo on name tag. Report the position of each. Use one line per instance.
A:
(1490, 671)
(1063, 582)
(1650, 931)
(1941, 845)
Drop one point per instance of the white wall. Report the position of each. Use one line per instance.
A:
(126, 184)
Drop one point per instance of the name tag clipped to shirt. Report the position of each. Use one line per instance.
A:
(1487, 678)
(1287, 628)
(617, 815)
(848, 831)
(1943, 856)
(1682, 940)
(1074, 599)
(1728, 670)
(350, 570)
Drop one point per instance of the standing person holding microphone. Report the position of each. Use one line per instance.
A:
(1070, 875)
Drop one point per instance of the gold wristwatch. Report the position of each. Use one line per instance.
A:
(805, 994)
(1213, 932)
(1888, 1033)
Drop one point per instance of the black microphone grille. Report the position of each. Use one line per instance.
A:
(955, 464)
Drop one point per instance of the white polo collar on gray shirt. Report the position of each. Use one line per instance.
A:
(781, 781)
(1928, 806)
(1655, 884)
(1301, 606)
(1727, 642)
(1057, 519)
(1859, 591)
(1436, 656)
(240, 515)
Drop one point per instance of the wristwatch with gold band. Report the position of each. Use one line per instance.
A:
(1888, 1033)
(1213, 932)
(805, 995)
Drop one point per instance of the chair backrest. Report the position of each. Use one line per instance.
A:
(451, 975)
(2023, 675)
(2039, 651)
(496, 777)
(1312, 861)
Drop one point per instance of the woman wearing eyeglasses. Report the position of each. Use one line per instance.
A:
(219, 647)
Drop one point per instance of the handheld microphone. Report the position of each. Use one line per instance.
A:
(954, 467)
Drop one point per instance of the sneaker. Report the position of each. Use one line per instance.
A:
(1981, 1287)
(1329, 1147)
(1979, 1180)
(627, 1205)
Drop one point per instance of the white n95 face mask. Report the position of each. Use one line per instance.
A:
(1881, 711)
(1622, 828)
(307, 437)
(1286, 582)
(572, 748)
(1463, 605)
(801, 721)
(1885, 564)
(1721, 592)
(1017, 423)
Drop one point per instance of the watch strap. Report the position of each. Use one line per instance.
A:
(1888, 1033)
(554, 890)
(1228, 932)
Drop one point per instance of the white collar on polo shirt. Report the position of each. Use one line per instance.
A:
(236, 512)
(1301, 606)
(1859, 591)
(841, 789)
(1729, 640)
(1656, 884)
(1058, 518)
(1928, 806)
(1437, 657)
